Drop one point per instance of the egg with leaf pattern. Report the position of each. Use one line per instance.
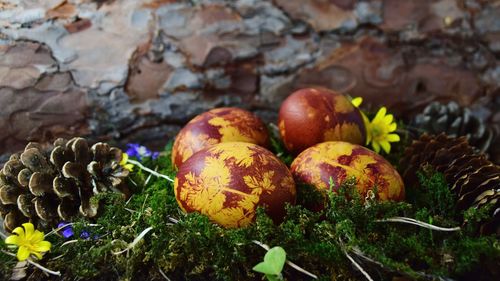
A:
(227, 124)
(314, 115)
(332, 163)
(228, 181)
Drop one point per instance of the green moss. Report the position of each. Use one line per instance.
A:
(190, 247)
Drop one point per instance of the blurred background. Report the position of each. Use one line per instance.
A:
(135, 71)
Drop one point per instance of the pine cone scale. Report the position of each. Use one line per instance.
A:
(40, 184)
(34, 160)
(25, 205)
(9, 194)
(12, 168)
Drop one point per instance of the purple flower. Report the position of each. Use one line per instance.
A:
(67, 231)
(139, 151)
(84, 235)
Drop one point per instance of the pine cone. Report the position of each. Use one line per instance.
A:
(455, 121)
(474, 179)
(47, 185)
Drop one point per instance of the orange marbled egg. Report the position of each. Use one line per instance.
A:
(314, 115)
(228, 181)
(218, 125)
(340, 161)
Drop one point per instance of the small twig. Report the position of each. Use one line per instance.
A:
(173, 220)
(133, 182)
(418, 223)
(130, 210)
(149, 170)
(163, 274)
(58, 257)
(291, 264)
(136, 240)
(128, 200)
(358, 266)
(360, 254)
(149, 177)
(69, 242)
(36, 264)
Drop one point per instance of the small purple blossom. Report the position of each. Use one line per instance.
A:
(67, 231)
(139, 151)
(84, 235)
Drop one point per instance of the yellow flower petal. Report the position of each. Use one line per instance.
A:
(29, 229)
(376, 147)
(380, 115)
(388, 119)
(37, 237)
(129, 167)
(393, 137)
(124, 164)
(124, 159)
(357, 101)
(37, 255)
(368, 133)
(392, 127)
(365, 119)
(23, 253)
(19, 231)
(43, 246)
(13, 239)
(386, 146)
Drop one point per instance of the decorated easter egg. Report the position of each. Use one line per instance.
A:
(228, 124)
(228, 181)
(314, 115)
(340, 161)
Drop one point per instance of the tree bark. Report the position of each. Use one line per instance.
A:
(136, 71)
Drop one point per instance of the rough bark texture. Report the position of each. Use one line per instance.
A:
(127, 70)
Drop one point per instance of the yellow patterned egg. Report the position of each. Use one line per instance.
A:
(227, 124)
(340, 161)
(228, 181)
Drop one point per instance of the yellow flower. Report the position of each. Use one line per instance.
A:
(29, 241)
(380, 131)
(124, 161)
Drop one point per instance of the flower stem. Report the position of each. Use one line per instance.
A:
(149, 170)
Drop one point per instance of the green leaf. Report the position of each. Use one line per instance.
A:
(273, 263)
(272, 277)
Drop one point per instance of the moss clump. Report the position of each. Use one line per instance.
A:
(190, 247)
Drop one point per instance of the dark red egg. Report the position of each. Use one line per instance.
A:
(314, 115)
(227, 124)
(228, 181)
